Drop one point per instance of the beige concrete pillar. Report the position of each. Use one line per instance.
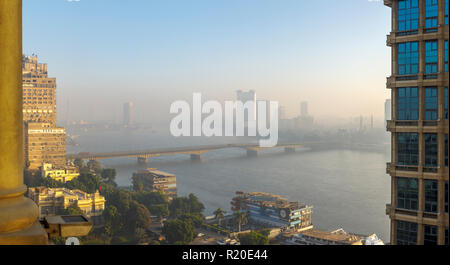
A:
(18, 215)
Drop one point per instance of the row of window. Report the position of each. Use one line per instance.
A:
(408, 195)
(408, 15)
(408, 103)
(407, 234)
(408, 57)
(408, 149)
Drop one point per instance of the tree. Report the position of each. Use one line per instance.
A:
(111, 220)
(182, 205)
(138, 217)
(95, 166)
(219, 214)
(72, 210)
(253, 238)
(179, 232)
(79, 163)
(109, 174)
(156, 202)
(240, 218)
(50, 183)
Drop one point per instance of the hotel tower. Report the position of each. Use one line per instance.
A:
(419, 124)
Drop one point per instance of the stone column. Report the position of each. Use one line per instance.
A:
(18, 214)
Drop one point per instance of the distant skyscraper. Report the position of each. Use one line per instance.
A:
(387, 111)
(282, 113)
(304, 108)
(418, 210)
(247, 96)
(128, 113)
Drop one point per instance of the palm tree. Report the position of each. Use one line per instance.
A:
(220, 214)
(241, 218)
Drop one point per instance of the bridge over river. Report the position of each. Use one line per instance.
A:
(195, 152)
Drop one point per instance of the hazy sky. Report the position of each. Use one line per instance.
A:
(103, 53)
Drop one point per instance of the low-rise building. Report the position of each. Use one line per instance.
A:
(52, 201)
(271, 210)
(63, 174)
(152, 179)
(337, 237)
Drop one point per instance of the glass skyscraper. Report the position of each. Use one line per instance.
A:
(419, 124)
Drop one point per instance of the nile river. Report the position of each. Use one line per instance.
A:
(347, 188)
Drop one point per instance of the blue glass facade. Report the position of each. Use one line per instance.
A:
(446, 197)
(431, 57)
(446, 103)
(446, 56)
(431, 103)
(446, 12)
(408, 149)
(431, 150)
(407, 103)
(430, 234)
(431, 14)
(408, 15)
(406, 233)
(408, 58)
(431, 196)
(446, 150)
(407, 193)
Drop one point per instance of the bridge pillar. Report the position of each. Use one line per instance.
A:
(196, 157)
(289, 150)
(142, 161)
(252, 153)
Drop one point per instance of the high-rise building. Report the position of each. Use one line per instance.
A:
(44, 142)
(419, 125)
(387, 111)
(128, 114)
(39, 92)
(304, 108)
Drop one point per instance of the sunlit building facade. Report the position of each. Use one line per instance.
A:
(61, 174)
(419, 123)
(53, 201)
(39, 92)
(44, 141)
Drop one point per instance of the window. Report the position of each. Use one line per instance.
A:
(408, 15)
(407, 103)
(407, 193)
(407, 149)
(431, 196)
(431, 14)
(406, 233)
(430, 235)
(446, 197)
(446, 56)
(431, 150)
(446, 103)
(446, 12)
(431, 103)
(408, 58)
(431, 57)
(446, 236)
(446, 150)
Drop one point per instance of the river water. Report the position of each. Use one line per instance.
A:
(348, 189)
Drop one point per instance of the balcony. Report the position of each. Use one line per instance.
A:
(388, 209)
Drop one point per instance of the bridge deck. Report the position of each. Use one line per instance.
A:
(173, 151)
